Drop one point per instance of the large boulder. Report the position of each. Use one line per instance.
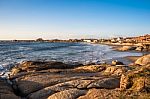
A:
(6, 91)
(144, 60)
(137, 80)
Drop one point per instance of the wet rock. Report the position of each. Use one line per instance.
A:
(116, 70)
(116, 62)
(107, 83)
(6, 91)
(137, 80)
(144, 60)
(68, 94)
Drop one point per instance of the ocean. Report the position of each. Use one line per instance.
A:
(12, 53)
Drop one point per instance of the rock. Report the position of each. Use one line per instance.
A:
(115, 70)
(113, 94)
(39, 65)
(127, 48)
(79, 83)
(90, 68)
(137, 80)
(68, 94)
(144, 60)
(41, 94)
(45, 92)
(139, 48)
(116, 62)
(6, 91)
(37, 81)
(107, 83)
(100, 94)
(15, 70)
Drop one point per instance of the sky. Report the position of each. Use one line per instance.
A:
(64, 19)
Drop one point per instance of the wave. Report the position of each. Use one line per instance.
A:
(49, 48)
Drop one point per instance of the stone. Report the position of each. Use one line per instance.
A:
(90, 68)
(38, 65)
(144, 60)
(127, 48)
(115, 70)
(68, 94)
(113, 94)
(41, 94)
(137, 80)
(100, 94)
(33, 66)
(116, 62)
(139, 48)
(14, 71)
(36, 81)
(107, 83)
(47, 91)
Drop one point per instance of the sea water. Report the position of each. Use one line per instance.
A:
(12, 53)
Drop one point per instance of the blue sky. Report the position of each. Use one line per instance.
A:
(63, 19)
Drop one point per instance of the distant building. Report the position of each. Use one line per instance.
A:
(90, 40)
(114, 40)
(95, 41)
(87, 40)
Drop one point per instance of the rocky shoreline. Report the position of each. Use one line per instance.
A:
(56, 80)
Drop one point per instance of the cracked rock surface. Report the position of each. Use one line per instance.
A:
(31, 80)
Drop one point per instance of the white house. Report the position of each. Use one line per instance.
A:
(87, 40)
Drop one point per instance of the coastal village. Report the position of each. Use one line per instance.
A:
(145, 39)
(139, 43)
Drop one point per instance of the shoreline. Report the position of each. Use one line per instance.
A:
(115, 48)
(52, 79)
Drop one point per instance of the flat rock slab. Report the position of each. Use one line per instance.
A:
(45, 84)
(32, 83)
